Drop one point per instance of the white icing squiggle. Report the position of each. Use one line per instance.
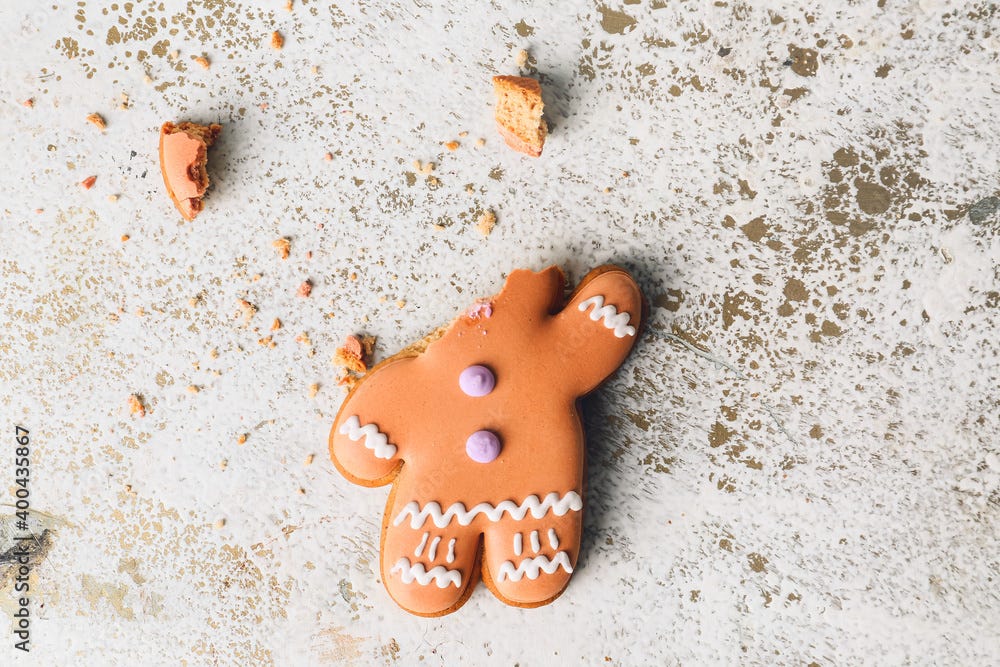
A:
(535, 546)
(375, 440)
(533, 567)
(517, 544)
(538, 508)
(440, 575)
(553, 540)
(450, 558)
(420, 547)
(619, 322)
(433, 551)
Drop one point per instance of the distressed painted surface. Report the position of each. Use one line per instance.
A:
(799, 464)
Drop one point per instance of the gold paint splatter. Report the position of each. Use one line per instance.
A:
(805, 62)
(614, 22)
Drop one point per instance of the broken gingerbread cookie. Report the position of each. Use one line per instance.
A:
(478, 430)
(184, 163)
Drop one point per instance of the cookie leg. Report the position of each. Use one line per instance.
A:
(529, 562)
(429, 571)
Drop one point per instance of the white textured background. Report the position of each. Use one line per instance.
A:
(798, 465)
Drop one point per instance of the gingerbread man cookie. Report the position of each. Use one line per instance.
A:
(481, 438)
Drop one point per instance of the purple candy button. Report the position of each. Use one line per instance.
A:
(476, 381)
(483, 446)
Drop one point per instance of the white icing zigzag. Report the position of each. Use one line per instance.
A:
(612, 318)
(533, 567)
(375, 440)
(457, 511)
(440, 575)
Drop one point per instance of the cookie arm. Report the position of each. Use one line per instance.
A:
(362, 442)
(598, 327)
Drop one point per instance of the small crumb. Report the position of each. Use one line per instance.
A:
(140, 312)
(29, 103)
(219, 524)
(128, 488)
(223, 464)
(241, 439)
(193, 389)
(521, 58)
(309, 254)
(303, 339)
(277, 41)
(302, 491)
(433, 180)
(354, 275)
(39, 211)
(463, 134)
(309, 459)
(424, 168)
(328, 157)
(469, 189)
(288, 5)
(174, 55)
(480, 142)
(452, 145)
(283, 246)
(313, 389)
(213, 353)
(305, 289)
(123, 102)
(606, 191)
(88, 182)
(266, 341)
(314, 69)
(203, 61)
(353, 357)
(486, 222)
(438, 227)
(146, 79)
(247, 310)
(125, 237)
(625, 174)
(401, 304)
(112, 198)
(136, 406)
(97, 121)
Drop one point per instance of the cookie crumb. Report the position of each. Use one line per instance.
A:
(305, 289)
(203, 61)
(112, 198)
(625, 174)
(28, 103)
(303, 339)
(241, 439)
(88, 182)
(283, 246)
(193, 389)
(123, 101)
(277, 41)
(247, 310)
(213, 353)
(276, 324)
(469, 189)
(219, 524)
(136, 406)
(266, 341)
(521, 58)
(353, 358)
(314, 69)
(463, 134)
(480, 142)
(452, 145)
(288, 5)
(97, 121)
(425, 168)
(328, 157)
(174, 55)
(354, 275)
(146, 79)
(223, 464)
(309, 459)
(302, 491)
(486, 222)
(401, 304)
(125, 237)
(313, 389)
